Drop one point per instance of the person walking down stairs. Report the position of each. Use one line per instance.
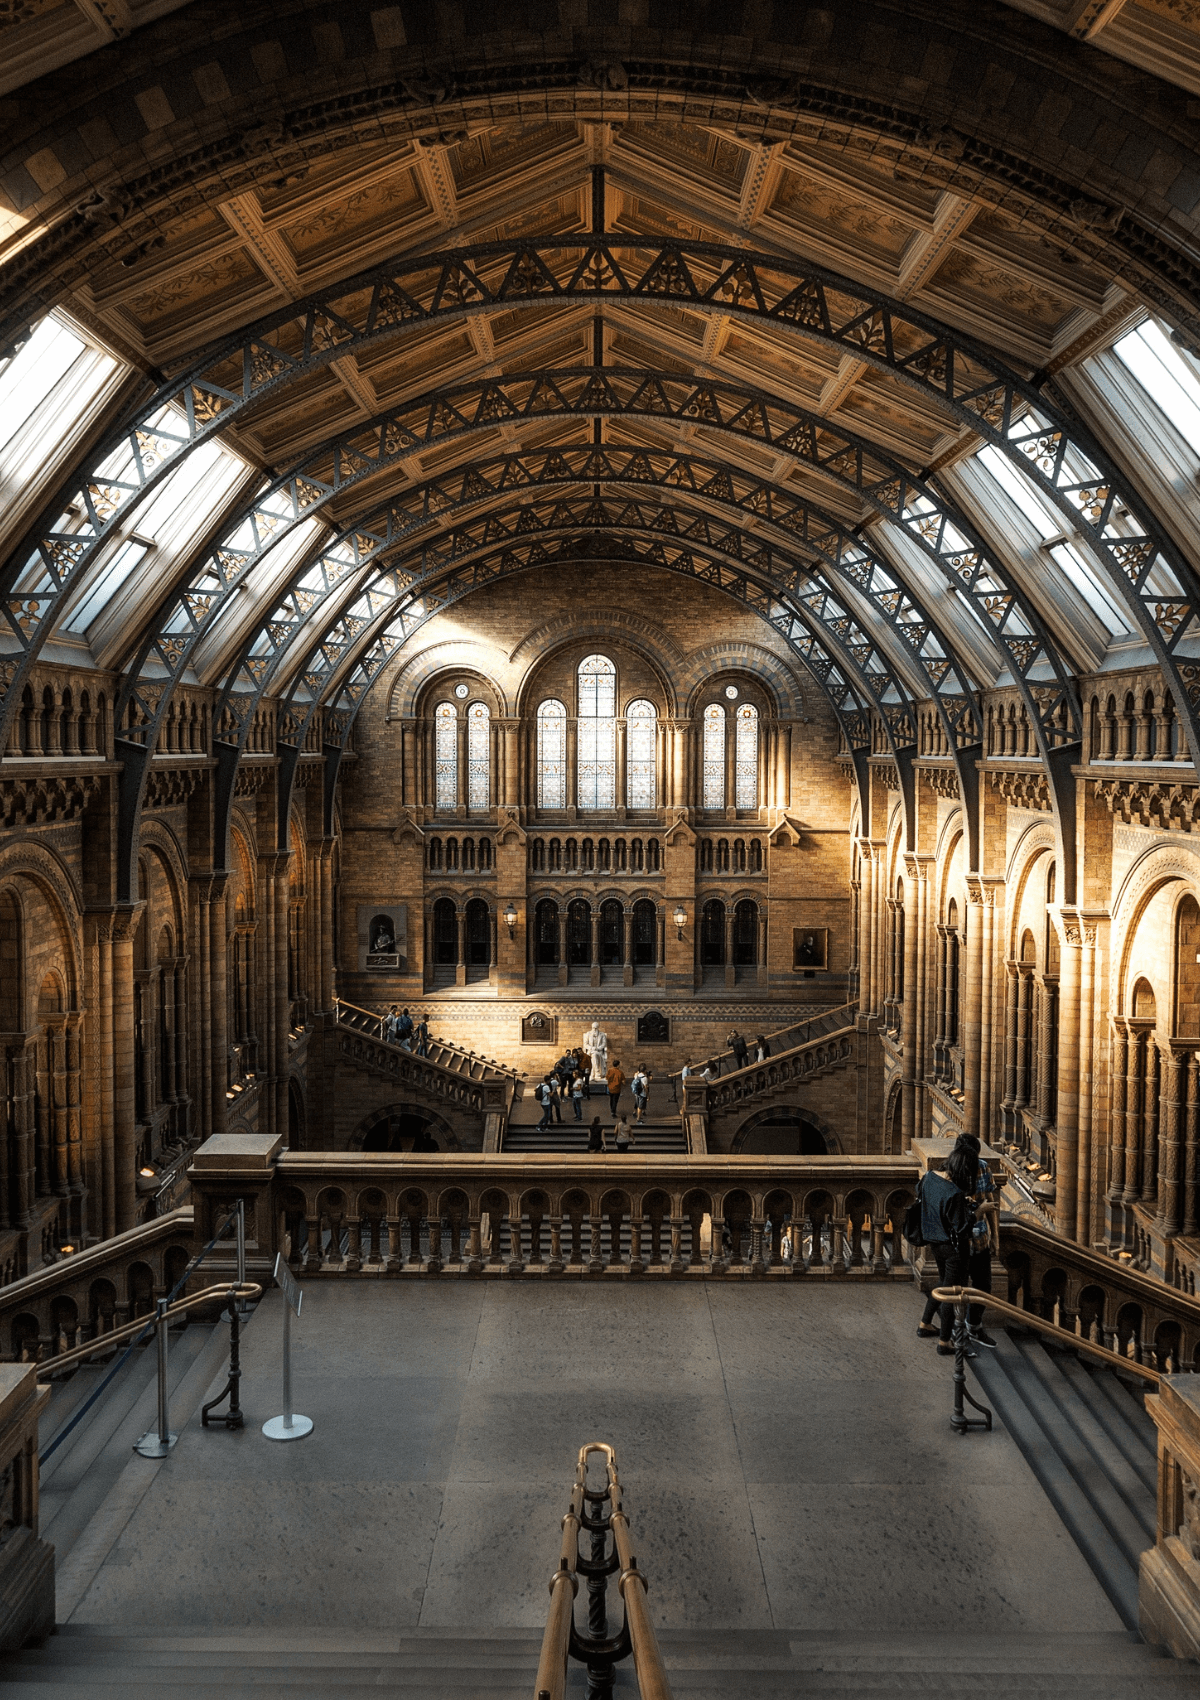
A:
(595, 1135)
(545, 1097)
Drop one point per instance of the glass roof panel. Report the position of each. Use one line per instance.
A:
(1165, 375)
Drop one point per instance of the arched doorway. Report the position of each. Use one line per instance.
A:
(579, 938)
(445, 942)
(645, 939)
(612, 938)
(712, 942)
(745, 940)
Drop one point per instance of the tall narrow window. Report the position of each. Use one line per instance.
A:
(445, 755)
(640, 775)
(714, 756)
(552, 755)
(746, 754)
(479, 718)
(597, 786)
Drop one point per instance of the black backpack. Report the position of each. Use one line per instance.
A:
(912, 1220)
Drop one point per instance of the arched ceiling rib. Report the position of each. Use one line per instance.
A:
(1149, 572)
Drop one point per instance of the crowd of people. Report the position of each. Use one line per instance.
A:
(569, 1081)
(740, 1048)
(399, 1028)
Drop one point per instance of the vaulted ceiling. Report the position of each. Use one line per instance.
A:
(915, 310)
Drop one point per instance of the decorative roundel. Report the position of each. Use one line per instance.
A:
(731, 691)
(461, 691)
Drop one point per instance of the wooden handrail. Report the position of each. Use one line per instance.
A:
(651, 1674)
(224, 1290)
(792, 1026)
(95, 1257)
(444, 1044)
(1079, 1342)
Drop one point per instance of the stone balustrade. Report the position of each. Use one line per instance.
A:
(26, 1561)
(356, 1213)
(1103, 1298)
(1169, 1574)
(82, 1297)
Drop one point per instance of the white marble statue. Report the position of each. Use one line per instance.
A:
(595, 1043)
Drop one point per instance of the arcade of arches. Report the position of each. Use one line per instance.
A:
(597, 523)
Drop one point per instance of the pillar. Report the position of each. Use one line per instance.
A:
(1012, 976)
(125, 920)
(1119, 1053)
(594, 945)
(1151, 1096)
(972, 1038)
(626, 946)
(460, 962)
(1066, 1120)
(1133, 1113)
(218, 1079)
(1172, 1135)
(1024, 1001)
(1191, 1131)
(914, 881)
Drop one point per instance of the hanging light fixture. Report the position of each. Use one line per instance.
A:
(680, 919)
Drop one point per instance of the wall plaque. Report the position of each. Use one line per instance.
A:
(539, 1028)
(653, 1028)
(810, 947)
(382, 937)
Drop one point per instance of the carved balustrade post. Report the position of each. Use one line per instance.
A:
(556, 1265)
(595, 1263)
(474, 1243)
(1151, 1107)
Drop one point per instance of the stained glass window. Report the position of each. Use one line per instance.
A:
(714, 756)
(597, 784)
(746, 758)
(479, 717)
(552, 755)
(445, 755)
(640, 753)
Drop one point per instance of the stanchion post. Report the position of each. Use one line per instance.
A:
(289, 1426)
(156, 1443)
(241, 1248)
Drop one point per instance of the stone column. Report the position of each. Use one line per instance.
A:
(460, 751)
(572, 785)
(1066, 1119)
(1011, 981)
(73, 1039)
(1151, 1106)
(594, 945)
(1133, 1112)
(279, 1047)
(563, 969)
(1192, 1131)
(1024, 999)
(621, 787)
(512, 763)
(972, 1038)
(460, 961)
(125, 920)
(914, 881)
(218, 1079)
(327, 900)
(1172, 1137)
(1119, 1065)
(408, 762)
(729, 970)
(627, 945)
(941, 1061)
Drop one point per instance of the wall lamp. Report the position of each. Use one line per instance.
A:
(510, 918)
(680, 919)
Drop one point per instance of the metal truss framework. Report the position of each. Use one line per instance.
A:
(669, 486)
(1152, 577)
(1008, 618)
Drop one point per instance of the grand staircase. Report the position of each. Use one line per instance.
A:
(292, 1663)
(1089, 1441)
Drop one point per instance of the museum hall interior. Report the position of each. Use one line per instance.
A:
(599, 848)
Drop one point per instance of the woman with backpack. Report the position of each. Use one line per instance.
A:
(948, 1215)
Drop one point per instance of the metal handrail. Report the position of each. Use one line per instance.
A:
(561, 1639)
(1079, 1342)
(240, 1291)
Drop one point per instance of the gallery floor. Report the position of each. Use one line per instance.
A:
(786, 1456)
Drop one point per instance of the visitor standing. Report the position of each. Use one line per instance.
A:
(947, 1217)
(555, 1097)
(640, 1087)
(545, 1099)
(615, 1081)
(737, 1045)
(422, 1037)
(762, 1049)
(404, 1031)
(578, 1088)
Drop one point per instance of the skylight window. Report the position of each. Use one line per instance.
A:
(1166, 376)
(1051, 528)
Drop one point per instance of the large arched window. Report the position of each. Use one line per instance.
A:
(714, 757)
(445, 755)
(552, 755)
(479, 719)
(597, 784)
(745, 784)
(640, 773)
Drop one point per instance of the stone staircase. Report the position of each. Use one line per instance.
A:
(1091, 1444)
(81, 1663)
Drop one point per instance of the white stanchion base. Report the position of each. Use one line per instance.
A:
(151, 1446)
(277, 1429)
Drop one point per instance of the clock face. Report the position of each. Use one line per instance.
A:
(460, 691)
(731, 691)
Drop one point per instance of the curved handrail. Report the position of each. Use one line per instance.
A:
(564, 1585)
(972, 1295)
(224, 1290)
(448, 1045)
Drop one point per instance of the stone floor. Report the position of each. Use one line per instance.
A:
(786, 1457)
